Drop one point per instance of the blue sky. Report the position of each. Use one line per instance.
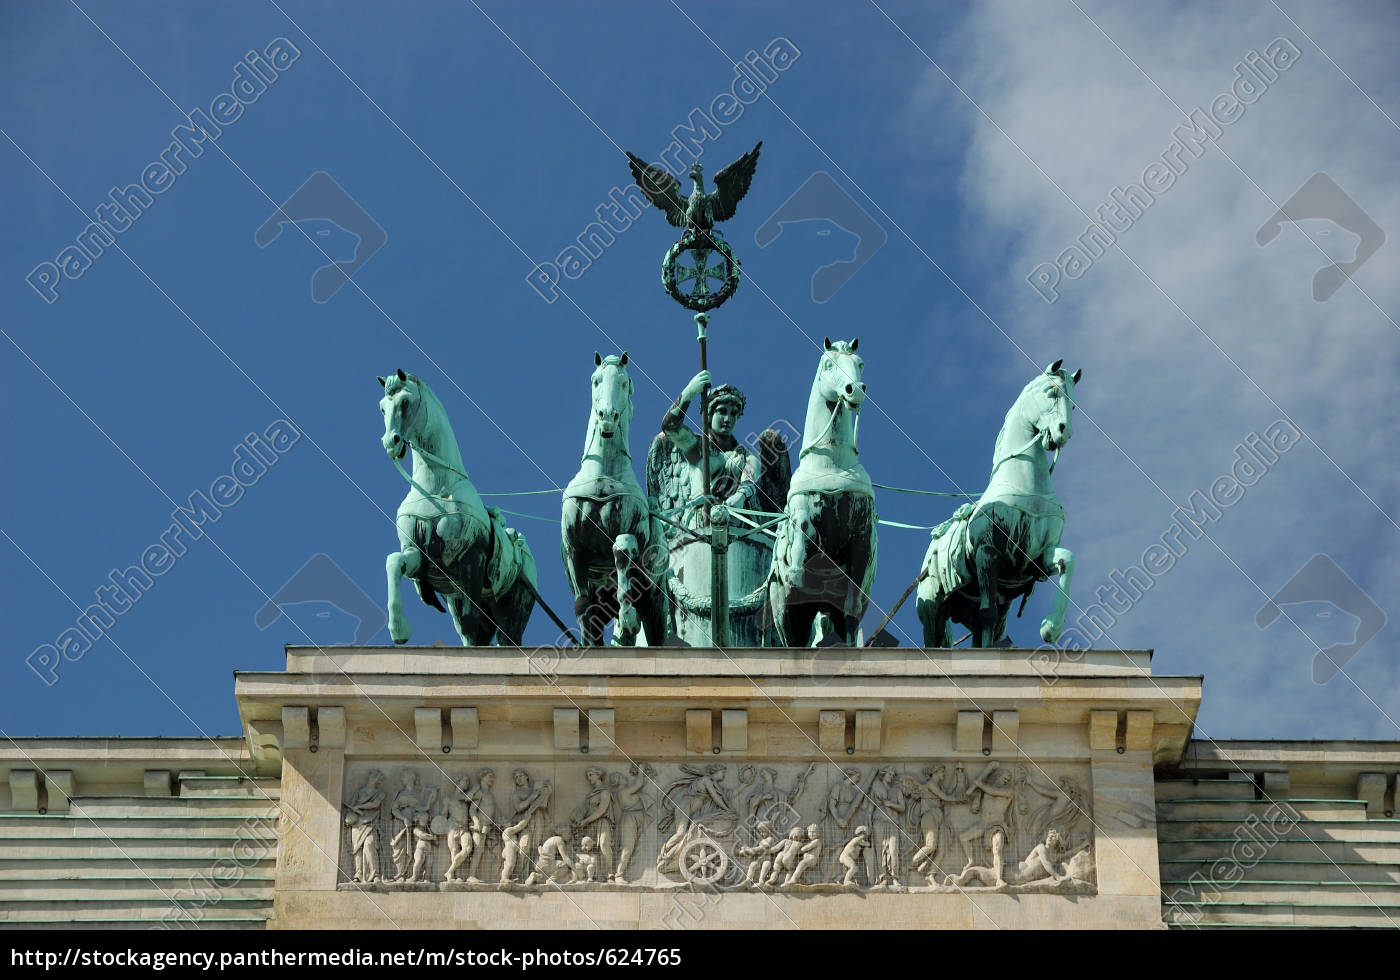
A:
(482, 137)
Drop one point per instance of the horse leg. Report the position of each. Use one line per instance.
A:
(625, 556)
(397, 565)
(798, 621)
(860, 559)
(471, 581)
(454, 608)
(512, 613)
(987, 561)
(1063, 559)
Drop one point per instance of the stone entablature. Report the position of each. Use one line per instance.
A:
(794, 777)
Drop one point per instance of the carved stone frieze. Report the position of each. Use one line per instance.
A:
(920, 825)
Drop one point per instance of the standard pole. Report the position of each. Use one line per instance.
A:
(701, 319)
(719, 535)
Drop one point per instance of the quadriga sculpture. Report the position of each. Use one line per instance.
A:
(450, 543)
(609, 536)
(989, 553)
(824, 558)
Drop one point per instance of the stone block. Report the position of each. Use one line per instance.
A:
(427, 729)
(602, 731)
(1006, 732)
(1103, 730)
(1276, 785)
(566, 729)
(969, 736)
(330, 727)
(157, 782)
(466, 729)
(24, 790)
(1137, 736)
(734, 730)
(831, 731)
(1370, 786)
(60, 789)
(296, 728)
(868, 724)
(699, 730)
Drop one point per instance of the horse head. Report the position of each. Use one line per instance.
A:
(838, 375)
(612, 396)
(402, 408)
(1047, 405)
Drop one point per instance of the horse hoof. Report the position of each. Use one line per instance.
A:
(1049, 632)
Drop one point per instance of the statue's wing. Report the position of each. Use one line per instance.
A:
(733, 183)
(667, 478)
(775, 474)
(661, 188)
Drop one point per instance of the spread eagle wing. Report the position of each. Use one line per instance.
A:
(668, 480)
(733, 183)
(775, 472)
(662, 189)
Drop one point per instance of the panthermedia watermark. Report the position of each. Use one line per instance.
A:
(1321, 199)
(1125, 205)
(825, 204)
(321, 580)
(322, 207)
(253, 458)
(1254, 456)
(252, 76)
(1250, 843)
(1318, 591)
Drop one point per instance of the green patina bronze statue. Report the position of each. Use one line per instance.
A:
(450, 543)
(824, 559)
(697, 215)
(608, 533)
(990, 553)
(741, 479)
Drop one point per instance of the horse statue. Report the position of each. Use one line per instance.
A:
(824, 558)
(450, 543)
(989, 553)
(609, 537)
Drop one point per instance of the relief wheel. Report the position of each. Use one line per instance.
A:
(703, 862)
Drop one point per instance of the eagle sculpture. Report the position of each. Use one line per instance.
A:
(700, 211)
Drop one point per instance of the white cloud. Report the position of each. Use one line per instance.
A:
(1153, 383)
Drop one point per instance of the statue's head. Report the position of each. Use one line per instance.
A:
(586, 845)
(400, 407)
(486, 778)
(594, 775)
(696, 171)
(839, 375)
(1051, 401)
(726, 406)
(521, 777)
(612, 393)
(1053, 840)
(796, 833)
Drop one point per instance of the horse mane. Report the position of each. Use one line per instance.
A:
(447, 446)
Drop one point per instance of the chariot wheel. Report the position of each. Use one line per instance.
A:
(688, 262)
(703, 862)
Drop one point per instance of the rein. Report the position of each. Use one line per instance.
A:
(1020, 452)
(835, 411)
